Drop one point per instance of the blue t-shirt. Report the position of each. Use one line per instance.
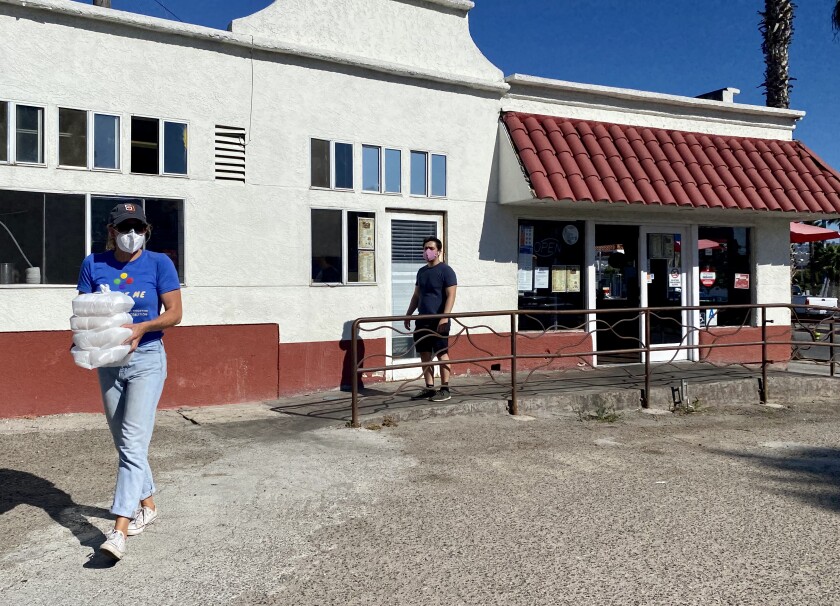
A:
(433, 282)
(144, 280)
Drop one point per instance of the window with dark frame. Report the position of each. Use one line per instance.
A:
(4, 131)
(551, 273)
(106, 141)
(319, 160)
(724, 262)
(145, 146)
(438, 175)
(371, 168)
(393, 171)
(343, 166)
(44, 231)
(72, 137)
(419, 173)
(166, 216)
(343, 240)
(148, 136)
(29, 134)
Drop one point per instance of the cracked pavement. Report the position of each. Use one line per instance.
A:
(729, 505)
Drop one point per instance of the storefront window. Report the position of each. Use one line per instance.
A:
(724, 259)
(551, 273)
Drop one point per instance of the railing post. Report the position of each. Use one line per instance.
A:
(646, 346)
(354, 357)
(763, 390)
(831, 348)
(514, 404)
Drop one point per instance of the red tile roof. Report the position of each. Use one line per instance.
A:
(602, 162)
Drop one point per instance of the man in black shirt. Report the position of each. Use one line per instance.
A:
(434, 293)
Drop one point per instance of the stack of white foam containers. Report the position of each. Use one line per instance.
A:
(98, 335)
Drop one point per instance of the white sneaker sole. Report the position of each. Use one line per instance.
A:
(111, 551)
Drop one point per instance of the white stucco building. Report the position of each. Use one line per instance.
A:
(291, 165)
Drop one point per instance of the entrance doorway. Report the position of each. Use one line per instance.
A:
(617, 280)
(407, 231)
(664, 285)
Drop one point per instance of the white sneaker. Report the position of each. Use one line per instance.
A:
(114, 544)
(142, 518)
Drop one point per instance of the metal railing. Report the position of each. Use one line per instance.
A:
(584, 326)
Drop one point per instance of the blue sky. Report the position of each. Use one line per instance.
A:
(682, 47)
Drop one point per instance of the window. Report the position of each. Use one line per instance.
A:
(174, 148)
(725, 273)
(4, 131)
(428, 179)
(551, 273)
(393, 171)
(106, 141)
(76, 132)
(371, 168)
(72, 137)
(331, 164)
(438, 175)
(166, 217)
(343, 244)
(29, 134)
(147, 153)
(343, 166)
(419, 173)
(378, 170)
(42, 237)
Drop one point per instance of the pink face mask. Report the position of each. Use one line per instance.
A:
(430, 254)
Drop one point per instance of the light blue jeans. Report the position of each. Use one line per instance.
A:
(131, 394)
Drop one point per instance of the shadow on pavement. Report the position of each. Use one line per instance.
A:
(809, 473)
(22, 488)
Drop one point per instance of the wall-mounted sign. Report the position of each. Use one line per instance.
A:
(707, 278)
(742, 281)
(674, 279)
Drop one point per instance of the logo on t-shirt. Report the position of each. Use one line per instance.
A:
(124, 281)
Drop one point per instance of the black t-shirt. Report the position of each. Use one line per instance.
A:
(433, 282)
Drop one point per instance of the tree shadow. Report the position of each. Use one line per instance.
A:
(23, 488)
(808, 473)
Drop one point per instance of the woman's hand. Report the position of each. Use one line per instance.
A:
(137, 332)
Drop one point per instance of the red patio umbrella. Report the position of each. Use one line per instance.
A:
(802, 232)
(704, 243)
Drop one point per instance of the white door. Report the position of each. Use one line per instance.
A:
(663, 284)
(407, 234)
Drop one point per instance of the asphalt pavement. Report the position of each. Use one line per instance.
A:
(731, 504)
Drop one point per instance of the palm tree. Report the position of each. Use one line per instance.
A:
(776, 27)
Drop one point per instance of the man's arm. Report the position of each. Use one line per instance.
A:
(412, 306)
(450, 303)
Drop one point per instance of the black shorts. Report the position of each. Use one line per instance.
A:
(428, 338)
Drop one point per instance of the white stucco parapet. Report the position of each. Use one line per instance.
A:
(596, 102)
(428, 35)
(478, 74)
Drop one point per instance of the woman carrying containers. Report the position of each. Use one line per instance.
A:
(131, 392)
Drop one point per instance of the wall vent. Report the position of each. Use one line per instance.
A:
(230, 153)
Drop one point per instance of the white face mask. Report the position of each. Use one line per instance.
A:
(131, 242)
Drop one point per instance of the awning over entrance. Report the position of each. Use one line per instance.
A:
(802, 232)
(581, 160)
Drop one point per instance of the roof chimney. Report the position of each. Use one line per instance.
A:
(727, 95)
(102, 3)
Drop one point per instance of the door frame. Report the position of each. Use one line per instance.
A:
(405, 215)
(686, 263)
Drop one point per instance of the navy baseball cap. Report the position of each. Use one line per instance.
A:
(125, 211)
